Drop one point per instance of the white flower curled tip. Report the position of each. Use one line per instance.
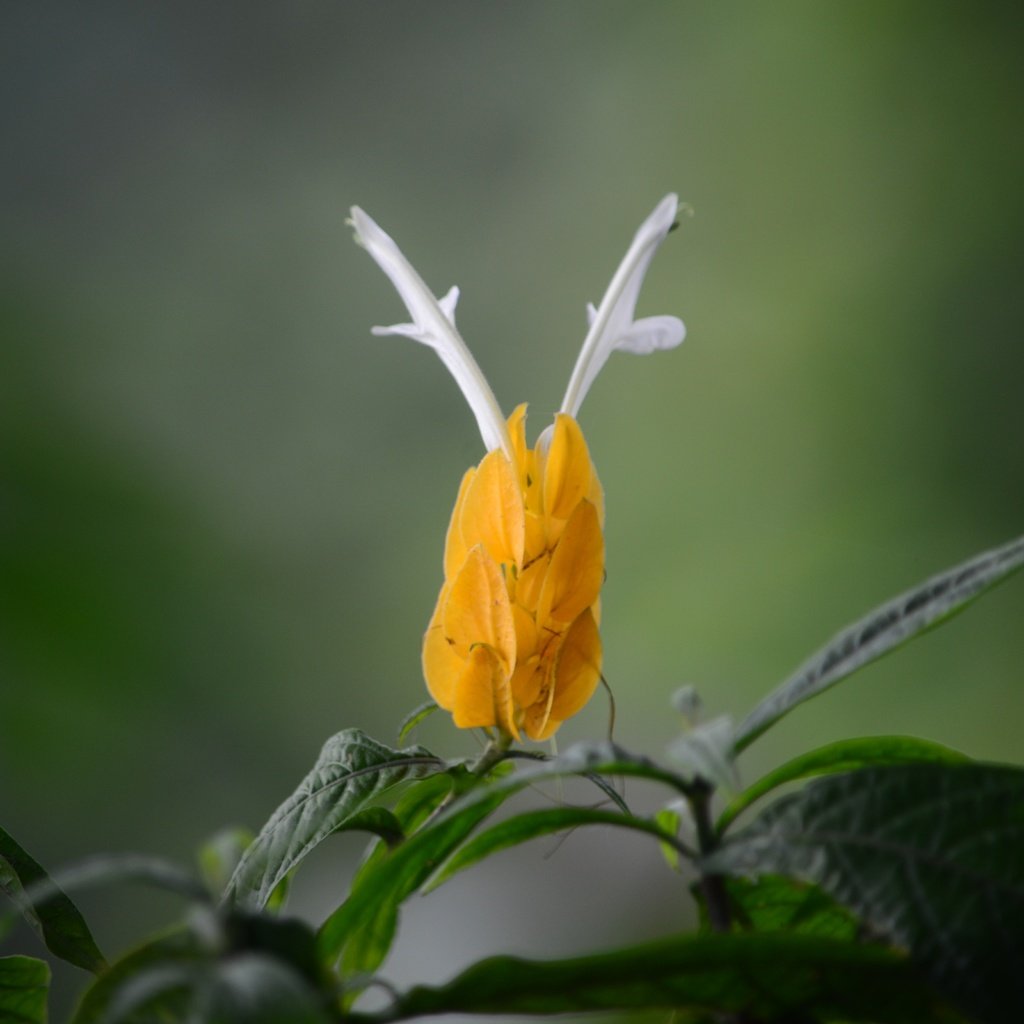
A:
(433, 324)
(612, 326)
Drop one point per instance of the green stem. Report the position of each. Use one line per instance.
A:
(495, 751)
(713, 886)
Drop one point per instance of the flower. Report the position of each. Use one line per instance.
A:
(513, 643)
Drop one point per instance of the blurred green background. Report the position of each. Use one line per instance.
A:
(223, 502)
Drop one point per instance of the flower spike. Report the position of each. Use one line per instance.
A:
(612, 325)
(513, 644)
(434, 325)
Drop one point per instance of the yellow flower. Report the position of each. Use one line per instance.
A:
(513, 643)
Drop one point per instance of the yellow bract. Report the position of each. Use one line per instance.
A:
(513, 642)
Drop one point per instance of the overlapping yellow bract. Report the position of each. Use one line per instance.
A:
(513, 643)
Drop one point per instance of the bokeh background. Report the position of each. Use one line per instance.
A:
(222, 502)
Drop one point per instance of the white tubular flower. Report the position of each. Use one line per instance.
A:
(434, 325)
(612, 325)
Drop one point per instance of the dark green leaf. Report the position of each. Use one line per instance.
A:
(775, 904)
(930, 855)
(286, 939)
(414, 718)
(412, 809)
(843, 756)
(884, 629)
(351, 771)
(531, 824)
(252, 988)
(361, 930)
(266, 973)
(162, 970)
(378, 820)
(24, 985)
(769, 977)
(47, 907)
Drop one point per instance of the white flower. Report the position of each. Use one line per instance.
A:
(612, 326)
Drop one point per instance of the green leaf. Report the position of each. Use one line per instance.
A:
(252, 988)
(775, 904)
(266, 973)
(47, 907)
(156, 975)
(532, 824)
(668, 819)
(351, 771)
(930, 855)
(769, 977)
(24, 986)
(414, 718)
(361, 930)
(842, 756)
(883, 630)
(412, 809)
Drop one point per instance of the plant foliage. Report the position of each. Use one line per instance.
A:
(889, 888)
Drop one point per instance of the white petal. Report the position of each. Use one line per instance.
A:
(449, 301)
(652, 334)
(434, 325)
(612, 325)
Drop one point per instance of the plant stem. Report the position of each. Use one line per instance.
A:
(713, 887)
(494, 752)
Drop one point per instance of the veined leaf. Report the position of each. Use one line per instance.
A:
(47, 907)
(930, 855)
(842, 756)
(532, 824)
(360, 932)
(24, 986)
(351, 771)
(883, 630)
(770, 977)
